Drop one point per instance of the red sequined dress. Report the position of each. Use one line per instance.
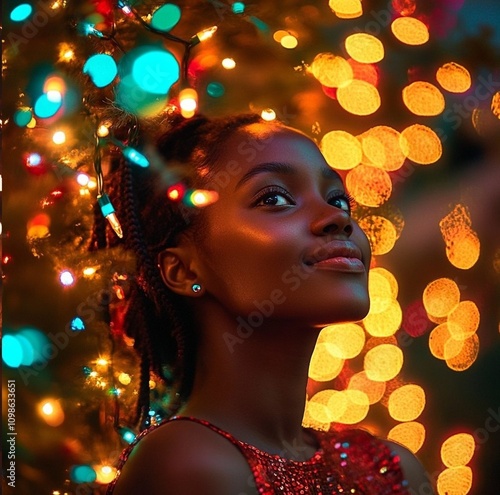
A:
(347, 462)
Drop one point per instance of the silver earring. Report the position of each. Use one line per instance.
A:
(196, 288)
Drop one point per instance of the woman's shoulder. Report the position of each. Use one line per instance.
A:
(178, 458)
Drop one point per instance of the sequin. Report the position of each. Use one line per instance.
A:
(348, 461)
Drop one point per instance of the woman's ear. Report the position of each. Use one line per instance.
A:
(176, 272)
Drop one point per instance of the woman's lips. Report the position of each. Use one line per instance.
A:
(341, 264)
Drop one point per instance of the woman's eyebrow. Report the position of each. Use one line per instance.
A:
(282, 168)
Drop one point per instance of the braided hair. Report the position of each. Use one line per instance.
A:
(156, 318)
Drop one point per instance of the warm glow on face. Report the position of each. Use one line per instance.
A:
(464, 319)
(369, 186)
(467, 355)
(373, 390)
(359, 97)
(406, 403)
(344, 341)
(458, 450)
(384, 147)
(364, 48)
(385, 323)
(454, 78)
(324, 366)
(410, 434)
(423, 98)
(456, 481)
(357, 408)
(381, 233)
(331, 70)
(346, 9)
(341, 150)
(383, 362)
(423, 144)
(440, 297)
(410, 31)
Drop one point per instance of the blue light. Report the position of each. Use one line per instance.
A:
(27, 348)
(135, 157)
(82, 474)
(45, 108)
(127, 434)
(77, 324)
(21, 12)
(155, 71)
(166, 17)
(23, 117)
(101, 68)
(238, 7)
(215, 89)
(12, 351)
(38, 342)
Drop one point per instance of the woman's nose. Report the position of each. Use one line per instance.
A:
(331, 220)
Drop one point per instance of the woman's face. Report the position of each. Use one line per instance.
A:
(280, 241)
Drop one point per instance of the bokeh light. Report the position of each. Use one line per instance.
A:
(423, 98)
(467, 355)
(410, 434)
(357, 407)
(463, 320)
(364, 48)
(384, 147)
(386, 322)
(289, 41)
(331, 70)
(406, 403)
(458, 450)
(380, 291)
(455, 481)
(318, 406)
(454, 78)
(51, 412)
(21, 12)
(442, 344)
(373, 390)
(82, 474)
(344, 341)
(423, 144)
(495, 104)
(404, 7)
(410, 30)
(383, 362)
(101, 68)
(359, 97)
(228, 63)
(346, 9)
(381, 233)
(440, 297)
(324, 366)
(166, 17)
(66, 278)
(369, 186)
(341, 150)
(365, 72)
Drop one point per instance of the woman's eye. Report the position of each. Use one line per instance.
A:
(342, 202)
(274, 198)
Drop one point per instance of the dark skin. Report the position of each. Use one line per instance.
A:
(262, 253)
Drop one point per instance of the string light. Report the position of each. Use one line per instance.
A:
(66, 278)
(108, 211)
(188, 102)
(59, 137)
(228, 63)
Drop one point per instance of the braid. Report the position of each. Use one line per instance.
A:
(159, 320)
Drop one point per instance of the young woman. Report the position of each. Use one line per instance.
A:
(240, 290)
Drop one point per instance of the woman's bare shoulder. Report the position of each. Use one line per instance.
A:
(413, 470)
(182, 458)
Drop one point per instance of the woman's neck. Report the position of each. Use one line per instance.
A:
(252, 383)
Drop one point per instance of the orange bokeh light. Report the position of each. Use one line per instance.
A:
(423, 98)
(324, 366)
(380, 290)
(410, 434)
(410, 31)
(341, 150)
(440, 297)
(369, 186)
(359, 97)
(384, 147)
(346, 9)
(495, 104)
(364, 48)
(357, 407)
(442, 344)
(467, 355)
(365, 72)
(454, 78)
(381, 233)
(423, 144)
(456, 481)
(458, 450)
(331, 70)
(383, 362)
(464, 319)
(406, 403)
(391, 279)
(344, 340)
(386, 322)
(373, 390)
(318, 406)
